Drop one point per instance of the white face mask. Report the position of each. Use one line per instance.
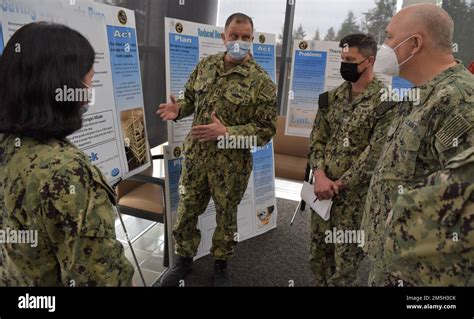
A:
(387, 61)
(90, 98)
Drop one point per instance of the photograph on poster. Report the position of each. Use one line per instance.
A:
(134, 137)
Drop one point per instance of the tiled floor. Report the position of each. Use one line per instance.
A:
(147, 240)
(148, 237)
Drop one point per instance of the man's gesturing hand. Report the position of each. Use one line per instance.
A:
(168, 111)
(209, 132)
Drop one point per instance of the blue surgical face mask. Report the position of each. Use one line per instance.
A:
(238, 49)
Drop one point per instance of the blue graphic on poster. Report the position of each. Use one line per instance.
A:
(264, 54)
(308, 78)
(399, 83)
(125, 66)
(184, 56)
(174, 172)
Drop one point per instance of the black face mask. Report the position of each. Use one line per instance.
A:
(349, 71)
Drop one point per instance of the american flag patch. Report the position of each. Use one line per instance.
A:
(453, 130)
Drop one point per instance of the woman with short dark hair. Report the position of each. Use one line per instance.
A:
(51, 196)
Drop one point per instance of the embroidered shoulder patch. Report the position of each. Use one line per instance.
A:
(269, 91)
(453, 130)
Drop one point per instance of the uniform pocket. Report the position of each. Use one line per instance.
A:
(236, 107)
(358, 128)
(361, 119)
(411, 140)
(409, 146)
(238, 97)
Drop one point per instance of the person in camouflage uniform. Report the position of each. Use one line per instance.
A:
(48, 187)
(339, 154)
(429, 233)
(228, 94)
(423, 137)
(51, 187)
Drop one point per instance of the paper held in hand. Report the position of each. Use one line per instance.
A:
(321, 207)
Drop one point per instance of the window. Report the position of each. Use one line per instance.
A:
(332, 20)
(462, 12)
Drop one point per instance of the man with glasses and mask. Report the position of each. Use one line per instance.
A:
(347, 119)
(229, 95)
(424, 136)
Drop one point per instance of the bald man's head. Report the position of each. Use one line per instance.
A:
(421, 38)
(431, 22)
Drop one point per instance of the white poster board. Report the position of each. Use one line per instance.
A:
(314, 70)
(186, 44)
(114, 128)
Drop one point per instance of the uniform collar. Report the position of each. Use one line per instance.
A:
(374, 86)
(344, 91)
(242, 69)
(428, 87)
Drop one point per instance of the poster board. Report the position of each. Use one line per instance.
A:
(114, 128)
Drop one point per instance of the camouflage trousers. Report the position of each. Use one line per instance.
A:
(222, 176)
(334, 263)
(379, 275)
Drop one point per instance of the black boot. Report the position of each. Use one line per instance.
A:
(221, 275)
(183, 267)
